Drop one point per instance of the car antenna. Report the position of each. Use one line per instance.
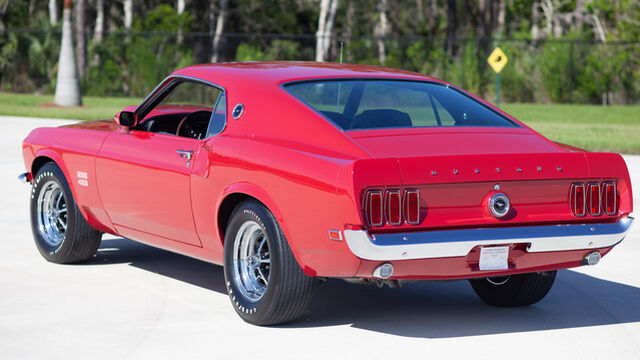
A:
(341, 47)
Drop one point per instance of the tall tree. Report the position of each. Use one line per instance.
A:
(328, 9)
(67, 88)
(81, 39)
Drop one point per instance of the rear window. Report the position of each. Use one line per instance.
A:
(372, 104)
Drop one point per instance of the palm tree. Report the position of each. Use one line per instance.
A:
(67, 88)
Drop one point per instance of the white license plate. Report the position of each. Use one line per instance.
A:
(494, 258)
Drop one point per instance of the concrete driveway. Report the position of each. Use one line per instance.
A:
(136, 302)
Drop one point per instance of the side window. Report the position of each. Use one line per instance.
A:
(186, 110)
(219, 117)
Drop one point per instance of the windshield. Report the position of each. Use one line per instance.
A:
(371, 104)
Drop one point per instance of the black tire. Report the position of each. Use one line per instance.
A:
(514, 290)
(78, 241)
(287, 293)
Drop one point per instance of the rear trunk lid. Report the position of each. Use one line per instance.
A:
(457, 173)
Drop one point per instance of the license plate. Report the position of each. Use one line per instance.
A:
(494, 258)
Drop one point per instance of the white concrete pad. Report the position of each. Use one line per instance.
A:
(137, 302)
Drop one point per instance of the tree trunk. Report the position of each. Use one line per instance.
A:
(4, 6)
(67, 89)
(382, 29)
(180, 5)
(452, 25)
(215, 45)
(98, 31)
(81, 42)
(432, 17)
(128, 14)
(53, 12)
(535, 29)
(351, 13)
(420, 11)
(320, 33)
(328, 9)
(502, 12)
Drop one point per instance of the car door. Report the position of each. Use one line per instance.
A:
(144, 173)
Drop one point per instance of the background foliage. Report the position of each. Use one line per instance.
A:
(567, 65)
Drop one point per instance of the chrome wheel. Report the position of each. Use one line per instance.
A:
(51, 211)
(251, 260)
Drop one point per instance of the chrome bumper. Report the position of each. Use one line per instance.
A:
(451, 243)
(24, 178)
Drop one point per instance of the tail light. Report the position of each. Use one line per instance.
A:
(593, 194)
(373, 207)
(609, 197)
(577, 199)
(593, 198)
(393, 208)
(412, 206)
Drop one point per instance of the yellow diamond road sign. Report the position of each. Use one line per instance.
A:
(497, 60)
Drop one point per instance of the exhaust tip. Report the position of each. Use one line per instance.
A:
(383, 271)
(592, 258)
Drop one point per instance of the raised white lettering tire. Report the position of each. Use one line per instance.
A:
(264, 281)
(61, 233)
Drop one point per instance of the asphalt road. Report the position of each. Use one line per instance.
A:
(136, 302)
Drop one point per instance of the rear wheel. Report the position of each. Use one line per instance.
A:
(61, 233)
(514, 290)
(264, 281)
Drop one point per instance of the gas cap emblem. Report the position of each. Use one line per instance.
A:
(237, 111)
(499, 205)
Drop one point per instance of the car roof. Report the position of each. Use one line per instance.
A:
(278, 72)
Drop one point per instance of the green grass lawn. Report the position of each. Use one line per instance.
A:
(93, 108)
(592, 127)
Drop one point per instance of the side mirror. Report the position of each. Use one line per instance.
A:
(127, 118)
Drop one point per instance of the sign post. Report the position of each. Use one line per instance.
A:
(497, 60)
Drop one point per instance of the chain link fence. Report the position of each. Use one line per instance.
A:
(132, 63)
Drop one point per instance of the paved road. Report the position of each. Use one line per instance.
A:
(136, 302)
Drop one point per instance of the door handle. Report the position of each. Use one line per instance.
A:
(185, 154)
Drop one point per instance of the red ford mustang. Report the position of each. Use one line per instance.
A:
(286, 172)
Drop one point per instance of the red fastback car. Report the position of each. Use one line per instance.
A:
(286, 172)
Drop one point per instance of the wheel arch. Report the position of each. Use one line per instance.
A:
(45, 156)
(239, 192)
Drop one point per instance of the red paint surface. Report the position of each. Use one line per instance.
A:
(311, 175)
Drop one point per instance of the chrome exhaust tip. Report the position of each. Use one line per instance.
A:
(592, 258)
(383, 271)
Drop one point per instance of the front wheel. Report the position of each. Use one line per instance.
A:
(61, 233)
(514, 290)
(264, 281)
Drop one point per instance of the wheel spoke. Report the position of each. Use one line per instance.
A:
(62, 223)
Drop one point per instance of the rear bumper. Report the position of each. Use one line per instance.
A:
(456, 243)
